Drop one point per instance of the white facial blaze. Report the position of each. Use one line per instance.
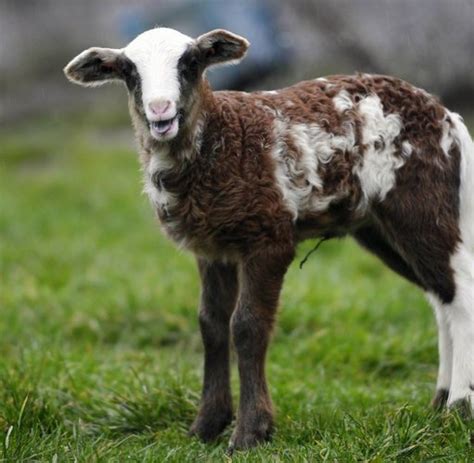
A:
(156, 53)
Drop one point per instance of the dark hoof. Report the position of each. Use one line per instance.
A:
(464, 408)
(246, 437)
(440, 399)
(208, 426)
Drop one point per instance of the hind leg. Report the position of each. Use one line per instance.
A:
(445, 348)
(460, 314)
(372, 239)
(455, 319)
(446, 270)
(452, 287)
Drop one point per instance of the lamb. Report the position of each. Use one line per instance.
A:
(239, 179)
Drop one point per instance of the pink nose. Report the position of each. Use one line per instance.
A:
(159, 107)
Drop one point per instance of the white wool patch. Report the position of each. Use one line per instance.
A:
(466, 192)
(342, 101)
(445, 343)
(460, 315)
(297, 174)
(156, 53)
(282, 170)
(446, 136)
(380, 161)
(407, 149)
(159, 197)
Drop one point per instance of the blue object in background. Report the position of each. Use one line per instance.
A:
(253, 20)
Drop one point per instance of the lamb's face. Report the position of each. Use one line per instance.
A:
(162, 69)
(156, 87)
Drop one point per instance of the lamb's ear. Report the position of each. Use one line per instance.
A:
(221, 46)
(95, 66)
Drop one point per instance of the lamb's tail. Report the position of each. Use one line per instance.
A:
(466, 212)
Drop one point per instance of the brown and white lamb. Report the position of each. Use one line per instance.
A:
(240, 178)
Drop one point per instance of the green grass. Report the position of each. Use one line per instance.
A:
(100, 355)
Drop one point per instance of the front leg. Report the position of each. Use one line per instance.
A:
(218, 299)
(261, 278)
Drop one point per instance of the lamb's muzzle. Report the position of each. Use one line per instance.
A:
(240, 178)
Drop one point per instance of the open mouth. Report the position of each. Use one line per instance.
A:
(164, 127)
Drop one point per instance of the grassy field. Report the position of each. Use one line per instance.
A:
(100, 354)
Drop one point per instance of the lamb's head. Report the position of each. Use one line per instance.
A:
(163, 71)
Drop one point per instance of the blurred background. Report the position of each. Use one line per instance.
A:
(428, 42)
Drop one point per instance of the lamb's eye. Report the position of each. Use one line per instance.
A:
(191, 69)
(193, 64)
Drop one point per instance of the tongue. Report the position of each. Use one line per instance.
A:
(163, 126)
